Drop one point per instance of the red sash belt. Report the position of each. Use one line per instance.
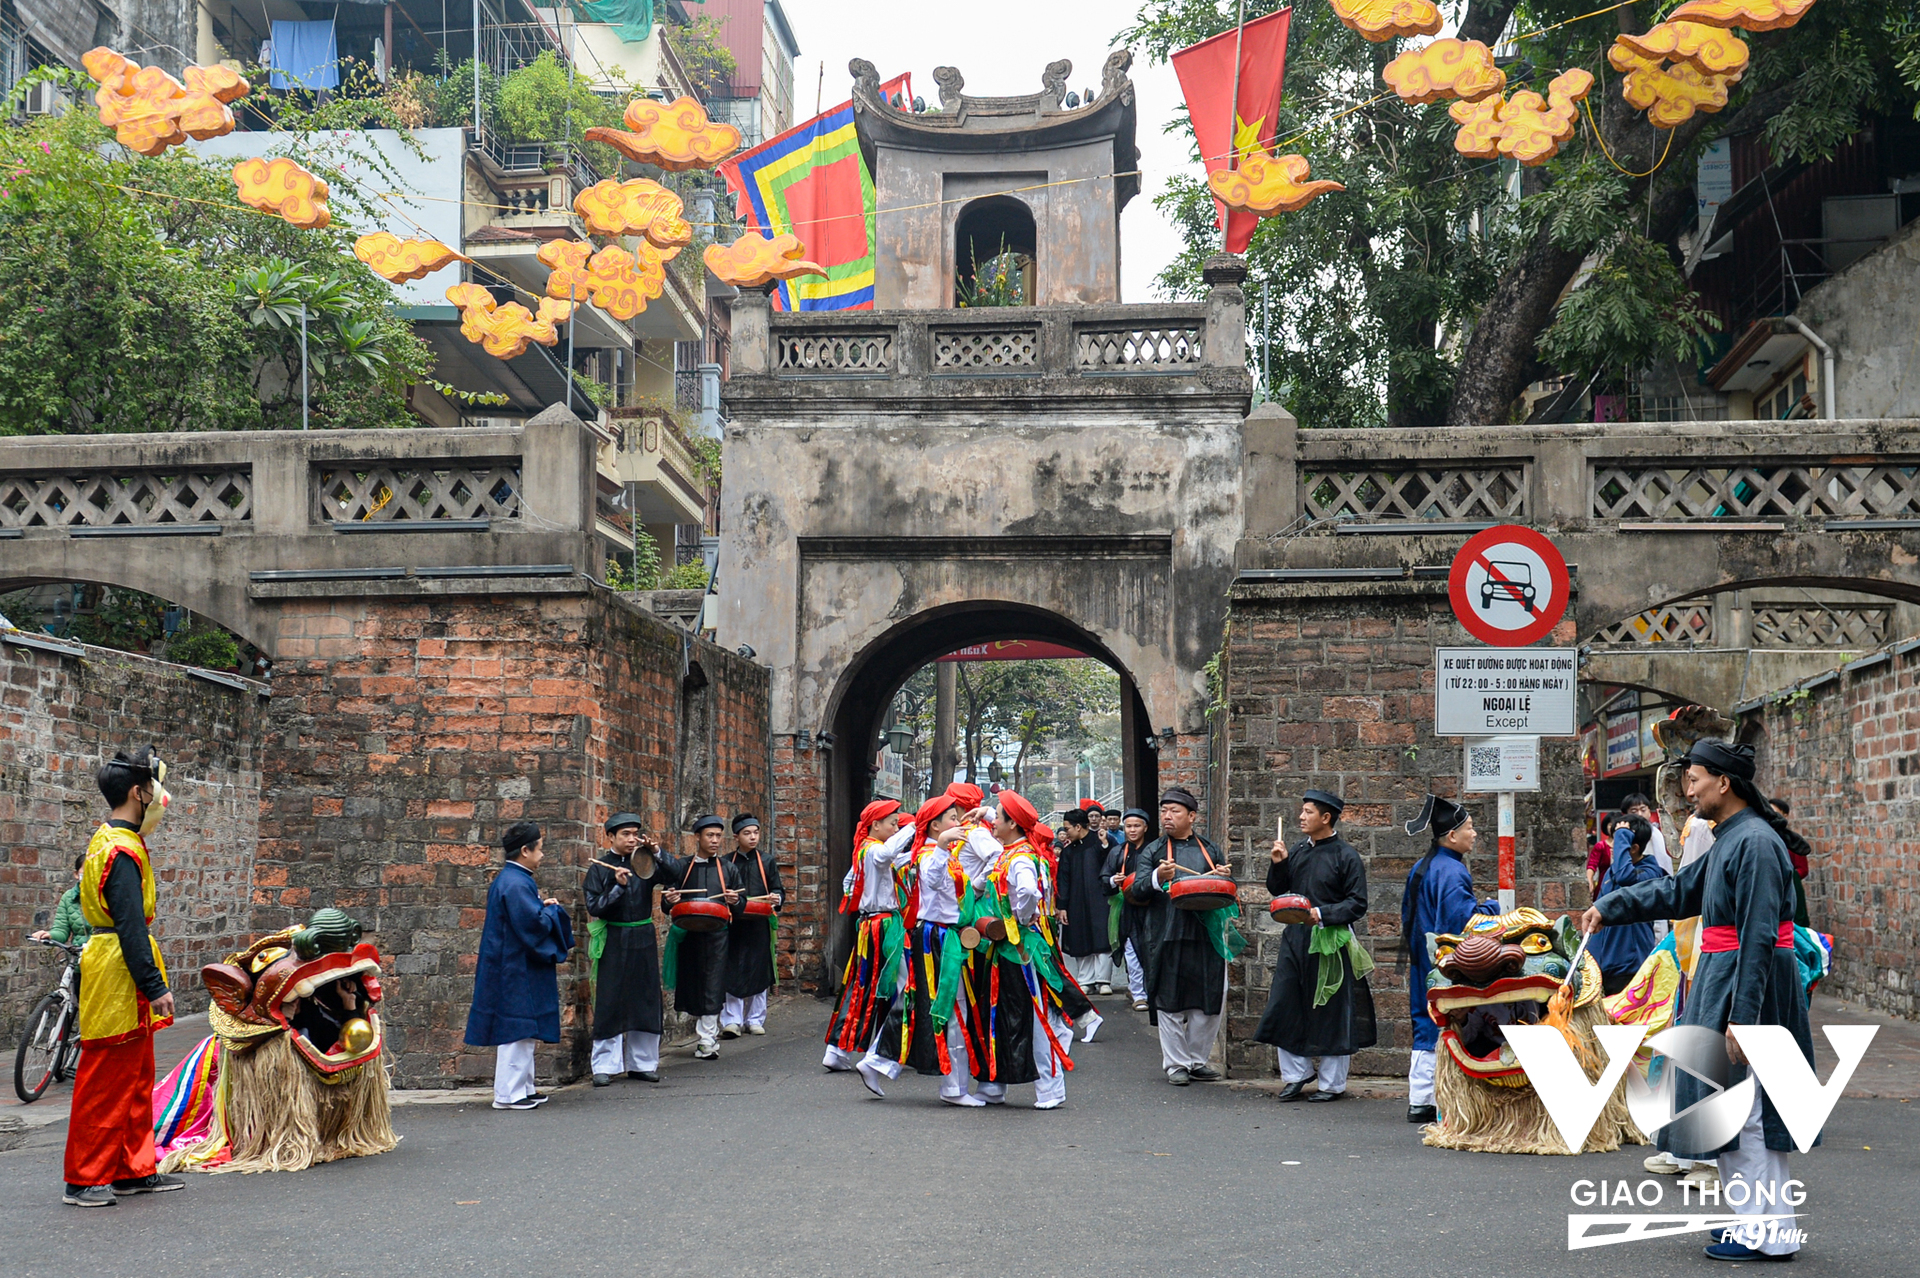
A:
(1722, 937)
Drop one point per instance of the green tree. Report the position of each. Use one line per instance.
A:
(1019, 706)
(703, 52)
(1421, 293)
(121, 299)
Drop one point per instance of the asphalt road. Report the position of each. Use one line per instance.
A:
(762, 1164)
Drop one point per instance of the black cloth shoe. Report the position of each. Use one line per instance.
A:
(1292, 1091)
(644, 1075)
(1325, 1096)
(1422, 1114)
(154, 1184)
(1179, 1077)
(603, 1080)
(1204, 1074)
(89, 1196)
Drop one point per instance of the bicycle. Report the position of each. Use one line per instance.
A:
(50, 1047)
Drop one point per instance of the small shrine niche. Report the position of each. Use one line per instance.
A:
(1009, 201)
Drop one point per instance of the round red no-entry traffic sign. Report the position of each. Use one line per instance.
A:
(1509, 586)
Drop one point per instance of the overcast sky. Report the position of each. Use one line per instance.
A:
(1001, 47)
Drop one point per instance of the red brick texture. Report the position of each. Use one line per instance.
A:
(406, 734)
(60, 719)
(800, 825)
(1846, 755)
(1336, 693)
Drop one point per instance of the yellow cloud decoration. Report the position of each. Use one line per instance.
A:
(566, 261)
(501, 331)
(1708, 50)
(283, 187)
(1748, 15)
(636, 207)
(1379, 20)
(1668, 94)
(753, 259)
(1445, 69)
(675, 136)
(619, 287)
(149, 111)
(1525, 127)
(397, 260)
(1268, 184)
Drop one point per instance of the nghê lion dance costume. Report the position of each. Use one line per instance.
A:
(292, 1074)
(1503, 970)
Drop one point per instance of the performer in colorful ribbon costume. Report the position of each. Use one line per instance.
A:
(1015, 1023)
(124, 997)
(291, 1075)
(871, 891)
(927, 1027)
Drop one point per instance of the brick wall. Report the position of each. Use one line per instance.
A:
(800, 831)
(60, 719)
(1846, 755)
(1330, 686)
(409, 732)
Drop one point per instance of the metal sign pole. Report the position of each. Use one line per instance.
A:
(1506, 850)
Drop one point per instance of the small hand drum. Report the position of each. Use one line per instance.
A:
(1291, 908)
(1126, 884)
(759, 909)
(1203, 892)
(969, 938)
(702, 916)
(994, 929)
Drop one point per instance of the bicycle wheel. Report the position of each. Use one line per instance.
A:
(40, 1049)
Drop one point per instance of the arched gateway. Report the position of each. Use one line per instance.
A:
(903, 483)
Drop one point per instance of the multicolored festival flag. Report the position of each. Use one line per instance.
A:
(813, 182)
(1206, 77)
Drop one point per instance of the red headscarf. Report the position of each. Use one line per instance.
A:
(924, 818)
(1088, 804)
(878, 810)
(1020, 812)
(970, 796)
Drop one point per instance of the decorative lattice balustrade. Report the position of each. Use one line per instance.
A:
(1664, 492)
(1119, 350)
(867, 353)
(1408, 492)
(1684, 624)
(423, 491)
(98, 499)
(985, 350)
(1812, 625)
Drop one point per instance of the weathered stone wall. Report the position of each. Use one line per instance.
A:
(1868, 313)
(61, 717)
(1330, 686)
(409, 732)
(1846, 755)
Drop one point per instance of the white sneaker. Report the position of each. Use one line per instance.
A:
(1052, 1104)
(1139, 1005)
(1662, 1164)
(756, 1029)
(1094, 1022)
(966, 1100)
(871, 1077)
(706, 1052)
(1702, 1176)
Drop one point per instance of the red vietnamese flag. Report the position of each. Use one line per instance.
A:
(1206, 77)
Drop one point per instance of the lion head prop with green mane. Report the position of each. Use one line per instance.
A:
(292, 1075)
(1504, 970)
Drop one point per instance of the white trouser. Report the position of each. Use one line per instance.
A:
(1186, 1038)
(635, 1049)
(751, 1010)
(1761, 1174)
(707, 1030)
(1051, 1087)
(513, 1071)
(1298, 1069)
(1419, 1078)
(1092, 969)
(954, 1083)
(1136, 978)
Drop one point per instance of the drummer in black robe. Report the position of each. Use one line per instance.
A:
(698, 960)
(1185, 968)
(626, 958)
(1081, 896)
(1135, 826)
(750, 962)
(1320, 1004)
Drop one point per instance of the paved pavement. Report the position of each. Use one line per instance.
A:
(762, 1164)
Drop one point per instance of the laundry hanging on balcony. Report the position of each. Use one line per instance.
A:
(634, 18)
(305, 55)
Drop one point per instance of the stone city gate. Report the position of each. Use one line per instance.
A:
(444, 665)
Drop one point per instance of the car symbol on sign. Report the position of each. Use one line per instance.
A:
(1517, 588)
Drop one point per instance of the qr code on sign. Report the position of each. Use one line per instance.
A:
(1483, 764)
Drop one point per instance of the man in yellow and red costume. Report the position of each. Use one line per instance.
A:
(124, 997)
